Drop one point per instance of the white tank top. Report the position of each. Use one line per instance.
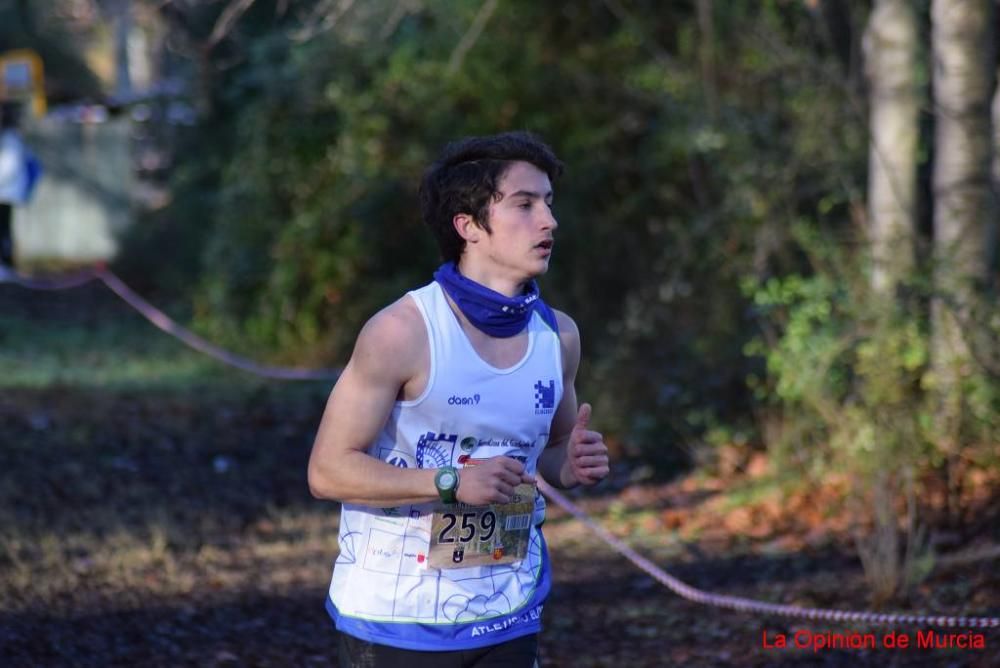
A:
(382, 589)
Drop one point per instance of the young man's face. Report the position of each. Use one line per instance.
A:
(521, 224)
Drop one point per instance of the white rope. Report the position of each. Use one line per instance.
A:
(739, 604)
(168, 325)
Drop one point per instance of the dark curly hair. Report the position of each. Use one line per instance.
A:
(466, 178)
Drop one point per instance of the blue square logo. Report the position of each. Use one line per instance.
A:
(545, 397)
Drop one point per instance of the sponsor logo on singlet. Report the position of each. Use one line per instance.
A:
(505, 443)
(466, 460)
(455, 400)
(419, 557)
(397, 458)
(434, 450)
(545, 397)
(531, 615)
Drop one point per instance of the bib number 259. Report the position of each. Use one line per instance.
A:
(474, 526)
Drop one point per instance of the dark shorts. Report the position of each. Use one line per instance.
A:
(516, 653)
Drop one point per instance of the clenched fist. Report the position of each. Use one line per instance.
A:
(586, 453)
(492, 481)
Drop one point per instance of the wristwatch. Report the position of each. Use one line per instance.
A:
(446, 482)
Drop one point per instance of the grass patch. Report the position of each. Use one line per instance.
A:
(87, 337)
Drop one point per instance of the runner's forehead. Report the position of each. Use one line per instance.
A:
(524, 179)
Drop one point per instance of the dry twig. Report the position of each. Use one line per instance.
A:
(472, 34)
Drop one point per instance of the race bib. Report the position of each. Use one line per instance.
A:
(464, 536)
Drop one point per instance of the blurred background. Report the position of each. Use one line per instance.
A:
(778, 235)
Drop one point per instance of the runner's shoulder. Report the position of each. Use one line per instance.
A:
(566, 323)
(394, 337)
(569, 338)
(569, 333)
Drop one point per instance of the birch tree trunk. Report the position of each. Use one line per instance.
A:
(890, 49)
(962, 45)
(993, 233)
(121, 15)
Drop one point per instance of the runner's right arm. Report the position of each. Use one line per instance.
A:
(386, 356)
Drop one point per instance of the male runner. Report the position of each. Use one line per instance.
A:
(455, 397)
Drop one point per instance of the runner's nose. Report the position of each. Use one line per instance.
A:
(551, 223)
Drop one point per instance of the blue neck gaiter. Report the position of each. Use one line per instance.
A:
(496, 314)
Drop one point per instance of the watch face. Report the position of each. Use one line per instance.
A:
(447, 480)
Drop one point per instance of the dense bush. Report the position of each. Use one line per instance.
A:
(849, 369)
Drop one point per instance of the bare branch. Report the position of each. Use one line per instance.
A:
(469, 39)
(323, 18)
(233, 11)
(983, 553)
(401, 11)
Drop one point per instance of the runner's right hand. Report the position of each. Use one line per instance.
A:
(492, 481)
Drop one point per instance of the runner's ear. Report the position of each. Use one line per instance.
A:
(467, 228)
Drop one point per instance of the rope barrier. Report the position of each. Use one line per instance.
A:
(739, 604)
(165, 323)
(682, 589)
(66, 282)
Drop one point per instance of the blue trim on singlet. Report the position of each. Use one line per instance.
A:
(526, 620)
(548, 315)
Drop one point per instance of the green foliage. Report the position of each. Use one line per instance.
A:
(845, 364)
(300, 197)
(312, 221)
(849, 369)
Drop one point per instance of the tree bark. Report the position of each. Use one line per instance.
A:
(993, 232)
(122, 16)
(706, 56)
(890, 49)
(962, 44)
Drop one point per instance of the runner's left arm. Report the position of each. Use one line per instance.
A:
(575, 455)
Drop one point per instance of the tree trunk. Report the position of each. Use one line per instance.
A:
(890, 48)
(962, 44)
(993, 233)
(706, 56)
(121, 15)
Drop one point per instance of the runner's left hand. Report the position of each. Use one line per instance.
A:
(586, 452)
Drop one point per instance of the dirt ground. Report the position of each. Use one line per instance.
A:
(173, 527)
